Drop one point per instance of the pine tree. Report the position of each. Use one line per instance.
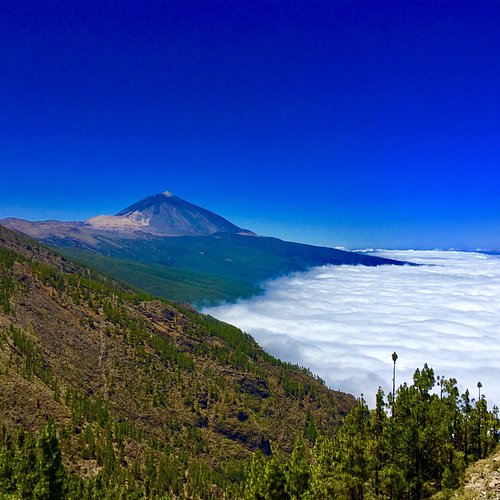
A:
(25, 470)
(378, 446)
(323, 470)
(254, 486)
(297, 471)
(7, 484)
(352, 452)
(50, 466)
(275, 481)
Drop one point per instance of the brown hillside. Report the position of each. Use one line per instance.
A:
(153, 377)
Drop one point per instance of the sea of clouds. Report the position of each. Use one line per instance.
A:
(344, 322)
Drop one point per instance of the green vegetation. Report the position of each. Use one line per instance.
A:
(7, 285)
(31, 468)
(181, 285)
(109, 393)
(421, 450)
(147, 398)
(411, 447)
(204, 269)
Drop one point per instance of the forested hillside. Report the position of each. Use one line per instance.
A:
(109, 393)
(415, 445)
(412, 447)
(147, 397)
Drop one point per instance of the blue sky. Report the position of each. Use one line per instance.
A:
(355, 123)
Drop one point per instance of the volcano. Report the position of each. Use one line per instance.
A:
(165, 214)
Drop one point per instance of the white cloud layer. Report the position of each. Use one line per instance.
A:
(344, 322)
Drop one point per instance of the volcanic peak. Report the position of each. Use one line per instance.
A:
(165, 214)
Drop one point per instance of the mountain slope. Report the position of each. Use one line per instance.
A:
(208, 269)
(128, 377)
(172, 248)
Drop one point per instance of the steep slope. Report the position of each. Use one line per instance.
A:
(129, 378)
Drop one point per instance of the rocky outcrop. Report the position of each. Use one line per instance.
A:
(482, 480)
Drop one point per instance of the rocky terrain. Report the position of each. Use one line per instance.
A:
(482, 480)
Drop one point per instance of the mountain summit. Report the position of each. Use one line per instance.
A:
(165, 214)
